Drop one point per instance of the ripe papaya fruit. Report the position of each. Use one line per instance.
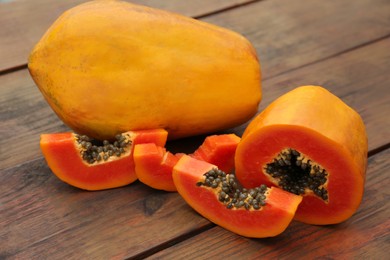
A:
(87, 164)
(308, 142)
(106, 67)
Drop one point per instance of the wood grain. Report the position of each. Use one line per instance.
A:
(289, 34)
(41, 217)
(17, 39)
(364, 236)
(24, 115)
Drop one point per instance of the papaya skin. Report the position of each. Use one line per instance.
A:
(107, 67)
(319, 125)
(271, 220)
(63, 158)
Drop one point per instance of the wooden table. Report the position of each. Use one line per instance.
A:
(341, 45)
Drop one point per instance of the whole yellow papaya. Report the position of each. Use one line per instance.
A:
(106, 67)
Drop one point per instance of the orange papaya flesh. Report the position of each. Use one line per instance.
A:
(269, 218)
(311, 143)
(218, 150)
(153, 166)
(69, 160)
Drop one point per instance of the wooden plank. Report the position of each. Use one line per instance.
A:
(364, 236)
(358, 77)
(24, 115)
(43, 218)
(17, 39)
(289, 34)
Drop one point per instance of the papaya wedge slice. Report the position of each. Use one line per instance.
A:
(66, 157)
(193, 177)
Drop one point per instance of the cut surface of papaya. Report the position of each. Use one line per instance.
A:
(91, 165)
(218, 150)
(154, 165)
(259, 212)
(310, 143)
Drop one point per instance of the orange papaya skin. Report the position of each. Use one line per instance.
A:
(318, 124)
(269, 221)
(218, 150)
(153, 166)
(63, 157)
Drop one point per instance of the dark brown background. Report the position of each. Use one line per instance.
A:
(341, 45)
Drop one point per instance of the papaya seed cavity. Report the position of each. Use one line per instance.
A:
(93, 150)
(295, 173)
(231, 194)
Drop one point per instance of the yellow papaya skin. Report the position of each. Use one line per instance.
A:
(106, 67)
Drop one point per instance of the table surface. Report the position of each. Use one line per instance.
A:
(341, 45)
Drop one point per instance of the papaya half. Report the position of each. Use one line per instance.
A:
(106, 67)
(259, 212)
(310, 143)
(154, 164)
(86, 164)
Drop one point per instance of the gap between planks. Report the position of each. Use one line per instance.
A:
(228, 8)
(378, 150)
(351, 49)
(172, 242)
